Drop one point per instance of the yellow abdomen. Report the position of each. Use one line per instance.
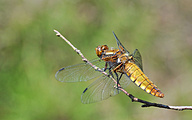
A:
(141, 80)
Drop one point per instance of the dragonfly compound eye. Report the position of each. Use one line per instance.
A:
(101, 49)
(98, 51)
(104, 47)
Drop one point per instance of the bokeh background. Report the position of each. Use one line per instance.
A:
(30, 55)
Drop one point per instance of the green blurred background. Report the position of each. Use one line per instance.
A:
(30, 55)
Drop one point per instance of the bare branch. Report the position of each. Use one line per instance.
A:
(134, 99)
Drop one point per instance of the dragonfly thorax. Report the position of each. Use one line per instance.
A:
(106, 54)
(123, 58)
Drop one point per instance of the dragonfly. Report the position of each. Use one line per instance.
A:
(118, 63)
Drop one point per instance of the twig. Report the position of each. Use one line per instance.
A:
(134, 99)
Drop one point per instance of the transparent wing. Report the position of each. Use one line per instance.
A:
(102, 88)
(124, 81)
(79, 72)
(137, 58)
(120, 46)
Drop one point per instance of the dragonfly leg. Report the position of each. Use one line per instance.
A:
(105, 68)
(115, 71)
(110, 69)
(110, 72)
(118, 67)
(118, 78)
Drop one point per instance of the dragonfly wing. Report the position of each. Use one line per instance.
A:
(137, 58)
(79, 72)
(100, 89)
(124, 81)
(120, 46)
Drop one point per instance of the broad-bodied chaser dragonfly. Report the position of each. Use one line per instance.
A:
(119, 64)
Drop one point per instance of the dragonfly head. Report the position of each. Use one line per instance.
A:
(101, 49)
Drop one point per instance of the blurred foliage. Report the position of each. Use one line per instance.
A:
(31, 54)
